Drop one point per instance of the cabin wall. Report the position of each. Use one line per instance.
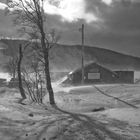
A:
(96, 74)
(125, 77)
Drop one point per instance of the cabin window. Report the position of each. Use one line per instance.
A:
(94, 76)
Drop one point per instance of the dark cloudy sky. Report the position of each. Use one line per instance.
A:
(111, 24)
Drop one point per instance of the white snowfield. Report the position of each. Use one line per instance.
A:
(82, 113)
(129, 115)
(3, 108)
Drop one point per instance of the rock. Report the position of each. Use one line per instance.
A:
(98, 109)
(26, 134)
(31, 114)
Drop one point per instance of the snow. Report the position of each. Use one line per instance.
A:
(3, 108)
(74, 117)
(130, 115)
(5, 76)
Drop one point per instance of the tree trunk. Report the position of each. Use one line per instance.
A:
(19, 73)
(45, 50)
(48, 82)
(47, 71)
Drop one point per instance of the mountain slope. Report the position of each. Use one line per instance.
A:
(67, 58)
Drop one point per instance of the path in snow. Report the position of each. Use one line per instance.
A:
(47, 123)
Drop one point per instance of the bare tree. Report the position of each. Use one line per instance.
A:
(11, 50)
(19, 73)
(33, 78)
(30, 14)
(11, 66)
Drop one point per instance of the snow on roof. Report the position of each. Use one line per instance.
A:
(91, 63)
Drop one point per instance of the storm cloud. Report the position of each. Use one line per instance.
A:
(117, 25)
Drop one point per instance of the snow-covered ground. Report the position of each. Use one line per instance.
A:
(76, 116)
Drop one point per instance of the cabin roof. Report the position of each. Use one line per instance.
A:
(92, 63)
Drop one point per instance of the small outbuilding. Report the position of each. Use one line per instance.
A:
(97, 73)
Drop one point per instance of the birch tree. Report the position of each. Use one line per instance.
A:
(29, 14)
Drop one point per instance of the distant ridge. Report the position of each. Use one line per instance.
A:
(68, 57)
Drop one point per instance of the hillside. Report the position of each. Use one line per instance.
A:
(81, 113)
(69, 58)
(66, 58)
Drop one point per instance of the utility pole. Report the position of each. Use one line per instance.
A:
(82, 31)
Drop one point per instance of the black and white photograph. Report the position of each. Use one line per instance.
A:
(69, 69)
